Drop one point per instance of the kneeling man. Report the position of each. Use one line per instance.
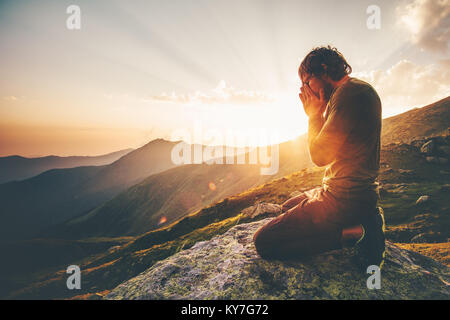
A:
(343, 135)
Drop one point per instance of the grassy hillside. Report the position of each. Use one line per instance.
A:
(161, 199)
(431, 120)
(141, 207)
(58, 202)
(167, 196)
(49, 198)
(43, 255)
(176, 194)
(34, 204)
(105, 271)
(158, 244)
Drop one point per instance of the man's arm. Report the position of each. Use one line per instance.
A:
(315, 124)
(325, 138)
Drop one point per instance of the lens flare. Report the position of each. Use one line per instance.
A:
(162, 220)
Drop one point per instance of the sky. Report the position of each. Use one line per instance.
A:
(205, 71)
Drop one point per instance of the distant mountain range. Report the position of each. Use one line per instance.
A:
(406, 176)
(71, 199)
(57, 195)
(174, 193)
(144, 191)
(166, 196)
(19, 168)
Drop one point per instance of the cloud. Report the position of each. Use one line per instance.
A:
(223, 93)
(407, 84)
(429, 23)
(10, 98)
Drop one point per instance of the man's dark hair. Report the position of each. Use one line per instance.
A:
(325, 61)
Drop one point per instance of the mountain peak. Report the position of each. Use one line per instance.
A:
(159, 140)
(228, 267)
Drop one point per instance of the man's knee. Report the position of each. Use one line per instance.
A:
(292, 202)
(268, 238)
(258, 239)
(264, 246)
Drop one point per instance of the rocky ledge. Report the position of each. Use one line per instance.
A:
(228, 267)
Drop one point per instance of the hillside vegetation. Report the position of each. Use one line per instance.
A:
(404, 165)
(54, 196)
(431, 120)
(414, 177)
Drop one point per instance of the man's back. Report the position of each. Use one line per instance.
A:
(347, 140)
(353, 121)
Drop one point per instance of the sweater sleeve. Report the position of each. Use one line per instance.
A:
(341, 119)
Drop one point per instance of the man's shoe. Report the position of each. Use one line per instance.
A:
(371, 247)
(351, 236)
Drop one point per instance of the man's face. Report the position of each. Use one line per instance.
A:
(316, 84)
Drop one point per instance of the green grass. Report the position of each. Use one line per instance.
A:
(404, 220)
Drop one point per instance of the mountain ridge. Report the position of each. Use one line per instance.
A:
(33, 204)
(424, 122)
(293, 156)
(16, 167)
(404, 167)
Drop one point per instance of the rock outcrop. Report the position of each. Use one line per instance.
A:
(436, 149)
(262, 209)
(228, 267)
